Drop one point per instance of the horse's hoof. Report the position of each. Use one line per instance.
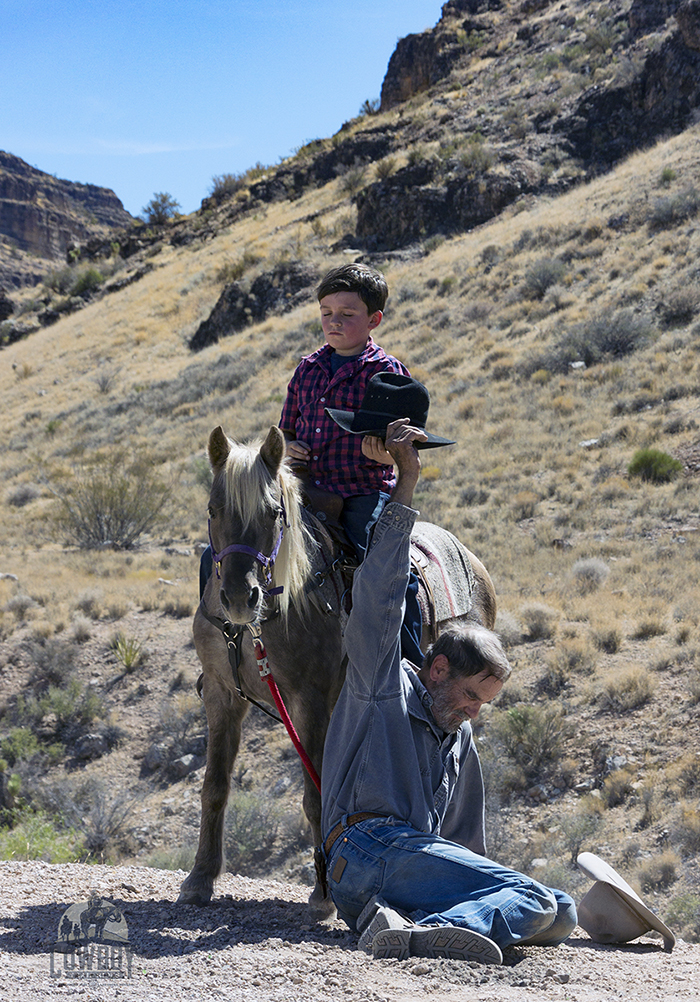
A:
(193, 896)
(321, 909)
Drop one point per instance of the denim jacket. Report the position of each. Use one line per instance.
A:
(384, 752)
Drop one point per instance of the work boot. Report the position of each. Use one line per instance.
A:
(375, 917)
(448, 941)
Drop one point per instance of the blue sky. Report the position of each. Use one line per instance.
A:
(161, 95)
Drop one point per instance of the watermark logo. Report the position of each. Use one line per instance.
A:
(92, 941)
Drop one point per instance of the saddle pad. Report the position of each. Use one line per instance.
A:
(445, 575)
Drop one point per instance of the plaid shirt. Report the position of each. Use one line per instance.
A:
(336, 462)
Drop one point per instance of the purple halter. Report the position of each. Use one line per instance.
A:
(267, 563)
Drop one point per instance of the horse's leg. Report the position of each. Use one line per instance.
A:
(225, 712)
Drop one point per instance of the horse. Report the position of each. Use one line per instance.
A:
(277, 569)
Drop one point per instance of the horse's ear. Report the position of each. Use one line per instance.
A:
(219, 448)
(272, 450)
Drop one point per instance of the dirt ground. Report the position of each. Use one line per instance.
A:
(256, 942)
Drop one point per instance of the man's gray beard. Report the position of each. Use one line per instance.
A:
(444, 713)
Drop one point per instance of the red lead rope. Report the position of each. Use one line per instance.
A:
(264, 669)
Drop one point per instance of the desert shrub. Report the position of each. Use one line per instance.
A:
(617, 787)
(385, 168)
(602, 337)
(608, 639)
(541, 275)
(35, 835)
(658, 873)
(574, 654)
(579, 827)
(179, 720)
(629, 692)
(686, 828)
(180, 857)
(352, 178)
(532, 737)
(101, 812)
(524, 505)
(160, 209)
(508, 629)
(112, 500)
(540, 621)
(673, 209)
(19, 605)
(19, 744)
(251, 827)
(681, 305)
(179, 608)
(53, 660)
(654, 466)
(87, 281)
(590, 573)
(683, 915)
(89, 602)
(21, 495)
(476, 157)
(649, 628)
(80, 629)
(66, 710)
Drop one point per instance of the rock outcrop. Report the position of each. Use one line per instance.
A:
(276, 291)
(43, 216)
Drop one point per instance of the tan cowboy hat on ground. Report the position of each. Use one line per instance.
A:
(611, 912)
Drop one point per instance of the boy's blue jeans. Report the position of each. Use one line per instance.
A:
(434, 881)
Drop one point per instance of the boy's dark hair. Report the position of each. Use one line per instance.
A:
(368, 283)
(470, 649)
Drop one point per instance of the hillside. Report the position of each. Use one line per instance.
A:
(558, 337)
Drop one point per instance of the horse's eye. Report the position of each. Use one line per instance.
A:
(211, 512)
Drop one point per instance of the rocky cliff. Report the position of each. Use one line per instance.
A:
(41, 217)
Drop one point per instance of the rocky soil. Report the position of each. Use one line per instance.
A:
(255, 941)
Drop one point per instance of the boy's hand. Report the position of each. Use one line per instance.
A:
(373, 448)
(300, 451)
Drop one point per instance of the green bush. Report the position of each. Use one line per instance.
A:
(86, 282)
(21, 743)
(654, 466)
(532, 737)
(112, 500)
(160, 209)
(35, 835)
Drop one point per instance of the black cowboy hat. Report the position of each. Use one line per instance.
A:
(389, 395)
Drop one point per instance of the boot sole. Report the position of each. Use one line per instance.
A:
(449, 942)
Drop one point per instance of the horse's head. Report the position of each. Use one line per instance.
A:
(256, 534)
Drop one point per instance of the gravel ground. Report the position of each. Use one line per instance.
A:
(255, 942)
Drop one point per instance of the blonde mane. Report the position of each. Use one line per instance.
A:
(251, 492)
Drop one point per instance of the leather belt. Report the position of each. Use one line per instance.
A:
(352, 819)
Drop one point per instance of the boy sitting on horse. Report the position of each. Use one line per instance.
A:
(349, 372)
(356, 471)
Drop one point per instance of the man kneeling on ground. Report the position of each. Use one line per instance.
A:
(403, 794)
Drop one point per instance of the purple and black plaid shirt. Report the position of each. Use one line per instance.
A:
(336, 463)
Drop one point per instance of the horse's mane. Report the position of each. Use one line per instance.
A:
(252, 492)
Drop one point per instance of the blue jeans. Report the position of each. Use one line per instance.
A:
(434, 881)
